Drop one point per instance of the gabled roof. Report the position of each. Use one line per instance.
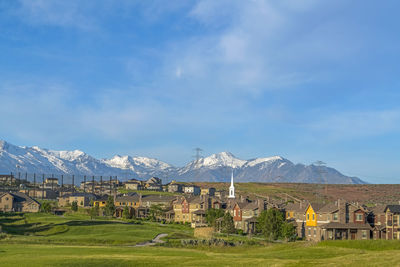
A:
(380, 208)
(298, 207)
(316, 206)
(393, 208)
(329, 208)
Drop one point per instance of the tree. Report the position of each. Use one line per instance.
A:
(288, 231)
(126, 214)
(94, 211)
(228, 227)
(74, 206)
(46, 207)
(269, 223)
(212, 215)
(109, 208)
(156, 211)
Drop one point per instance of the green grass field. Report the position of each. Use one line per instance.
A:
(75, 240)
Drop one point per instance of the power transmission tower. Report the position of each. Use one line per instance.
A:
(320, 165)
(198, 151)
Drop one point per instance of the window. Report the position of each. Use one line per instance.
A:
(359, 217)
(315, 232)
(313, 216)
(234, 212)
(364, 234)
(335, 216)
(308, 217)
(395, 219)
(330, 234)
(309, 231)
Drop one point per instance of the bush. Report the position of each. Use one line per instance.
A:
(74, 206)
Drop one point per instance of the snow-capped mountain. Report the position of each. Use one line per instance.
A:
(215, 168)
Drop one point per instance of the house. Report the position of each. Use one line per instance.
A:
(18, 202)
(133, 184)
(208, 191)
(101, 201)
(7, 178)
(82, 199)
(392, 215)
(378, 221)
(192, 189)
(191, 209)
(50, 183)
(339, 220)
(296, 214)
(175, 187)
(245, 214)
(154, 184)
(40, 193)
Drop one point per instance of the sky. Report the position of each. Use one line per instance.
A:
(307, 80)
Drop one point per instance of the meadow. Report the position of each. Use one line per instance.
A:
(75, 240)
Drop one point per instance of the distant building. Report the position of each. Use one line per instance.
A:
(192, 189)
(18, 202)
(175, 187)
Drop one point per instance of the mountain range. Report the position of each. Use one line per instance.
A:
(215, 168)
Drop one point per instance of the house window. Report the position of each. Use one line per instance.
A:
(359, 217)
(395, 219)
(335, 216)
(315, 232)
(308, 217)
(234, 212)
(330, 234)
(309, 231)
(313, 216)
(364, 234)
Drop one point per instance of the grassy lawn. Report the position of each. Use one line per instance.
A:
(78, 229)
(297, 254)
(75, 240)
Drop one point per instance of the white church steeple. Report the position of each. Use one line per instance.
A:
(231, 188)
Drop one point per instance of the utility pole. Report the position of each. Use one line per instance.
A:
(110, 184)
(84, 184)
(101, 185)
(93, 184)
(73, 183)
(42, 185)
(34, 185)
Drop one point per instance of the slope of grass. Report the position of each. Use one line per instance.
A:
(79, 229)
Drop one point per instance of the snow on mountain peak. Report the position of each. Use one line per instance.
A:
(257, 161)
(221, 159)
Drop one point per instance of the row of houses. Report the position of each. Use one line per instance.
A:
(344, 220)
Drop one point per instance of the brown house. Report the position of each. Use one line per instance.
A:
(378, 221)
(18, 202)
(392, 213)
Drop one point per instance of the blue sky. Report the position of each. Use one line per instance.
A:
(307, 80)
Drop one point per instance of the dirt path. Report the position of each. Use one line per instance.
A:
(156, 240)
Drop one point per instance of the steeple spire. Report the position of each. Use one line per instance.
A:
(231, 188)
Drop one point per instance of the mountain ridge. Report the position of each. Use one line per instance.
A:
(214, 168)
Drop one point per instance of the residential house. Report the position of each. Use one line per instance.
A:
(18, 202)
(82, 199)
(208, 191)
(392, 213)
(191, 209)
(296, 213)
(133, 184)
(175, 187)
(153, 184)
(378, 221)
(192, 189)
(245, 214)
(40, 193)
(339, 220)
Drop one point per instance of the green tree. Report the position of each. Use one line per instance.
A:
(74, 206)
(228, 227)
(109, 208)
(126, 214)
(288, 231)
(270, 222)
(46, 207)
(212, 215)
(156, 211)
(94, 211)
